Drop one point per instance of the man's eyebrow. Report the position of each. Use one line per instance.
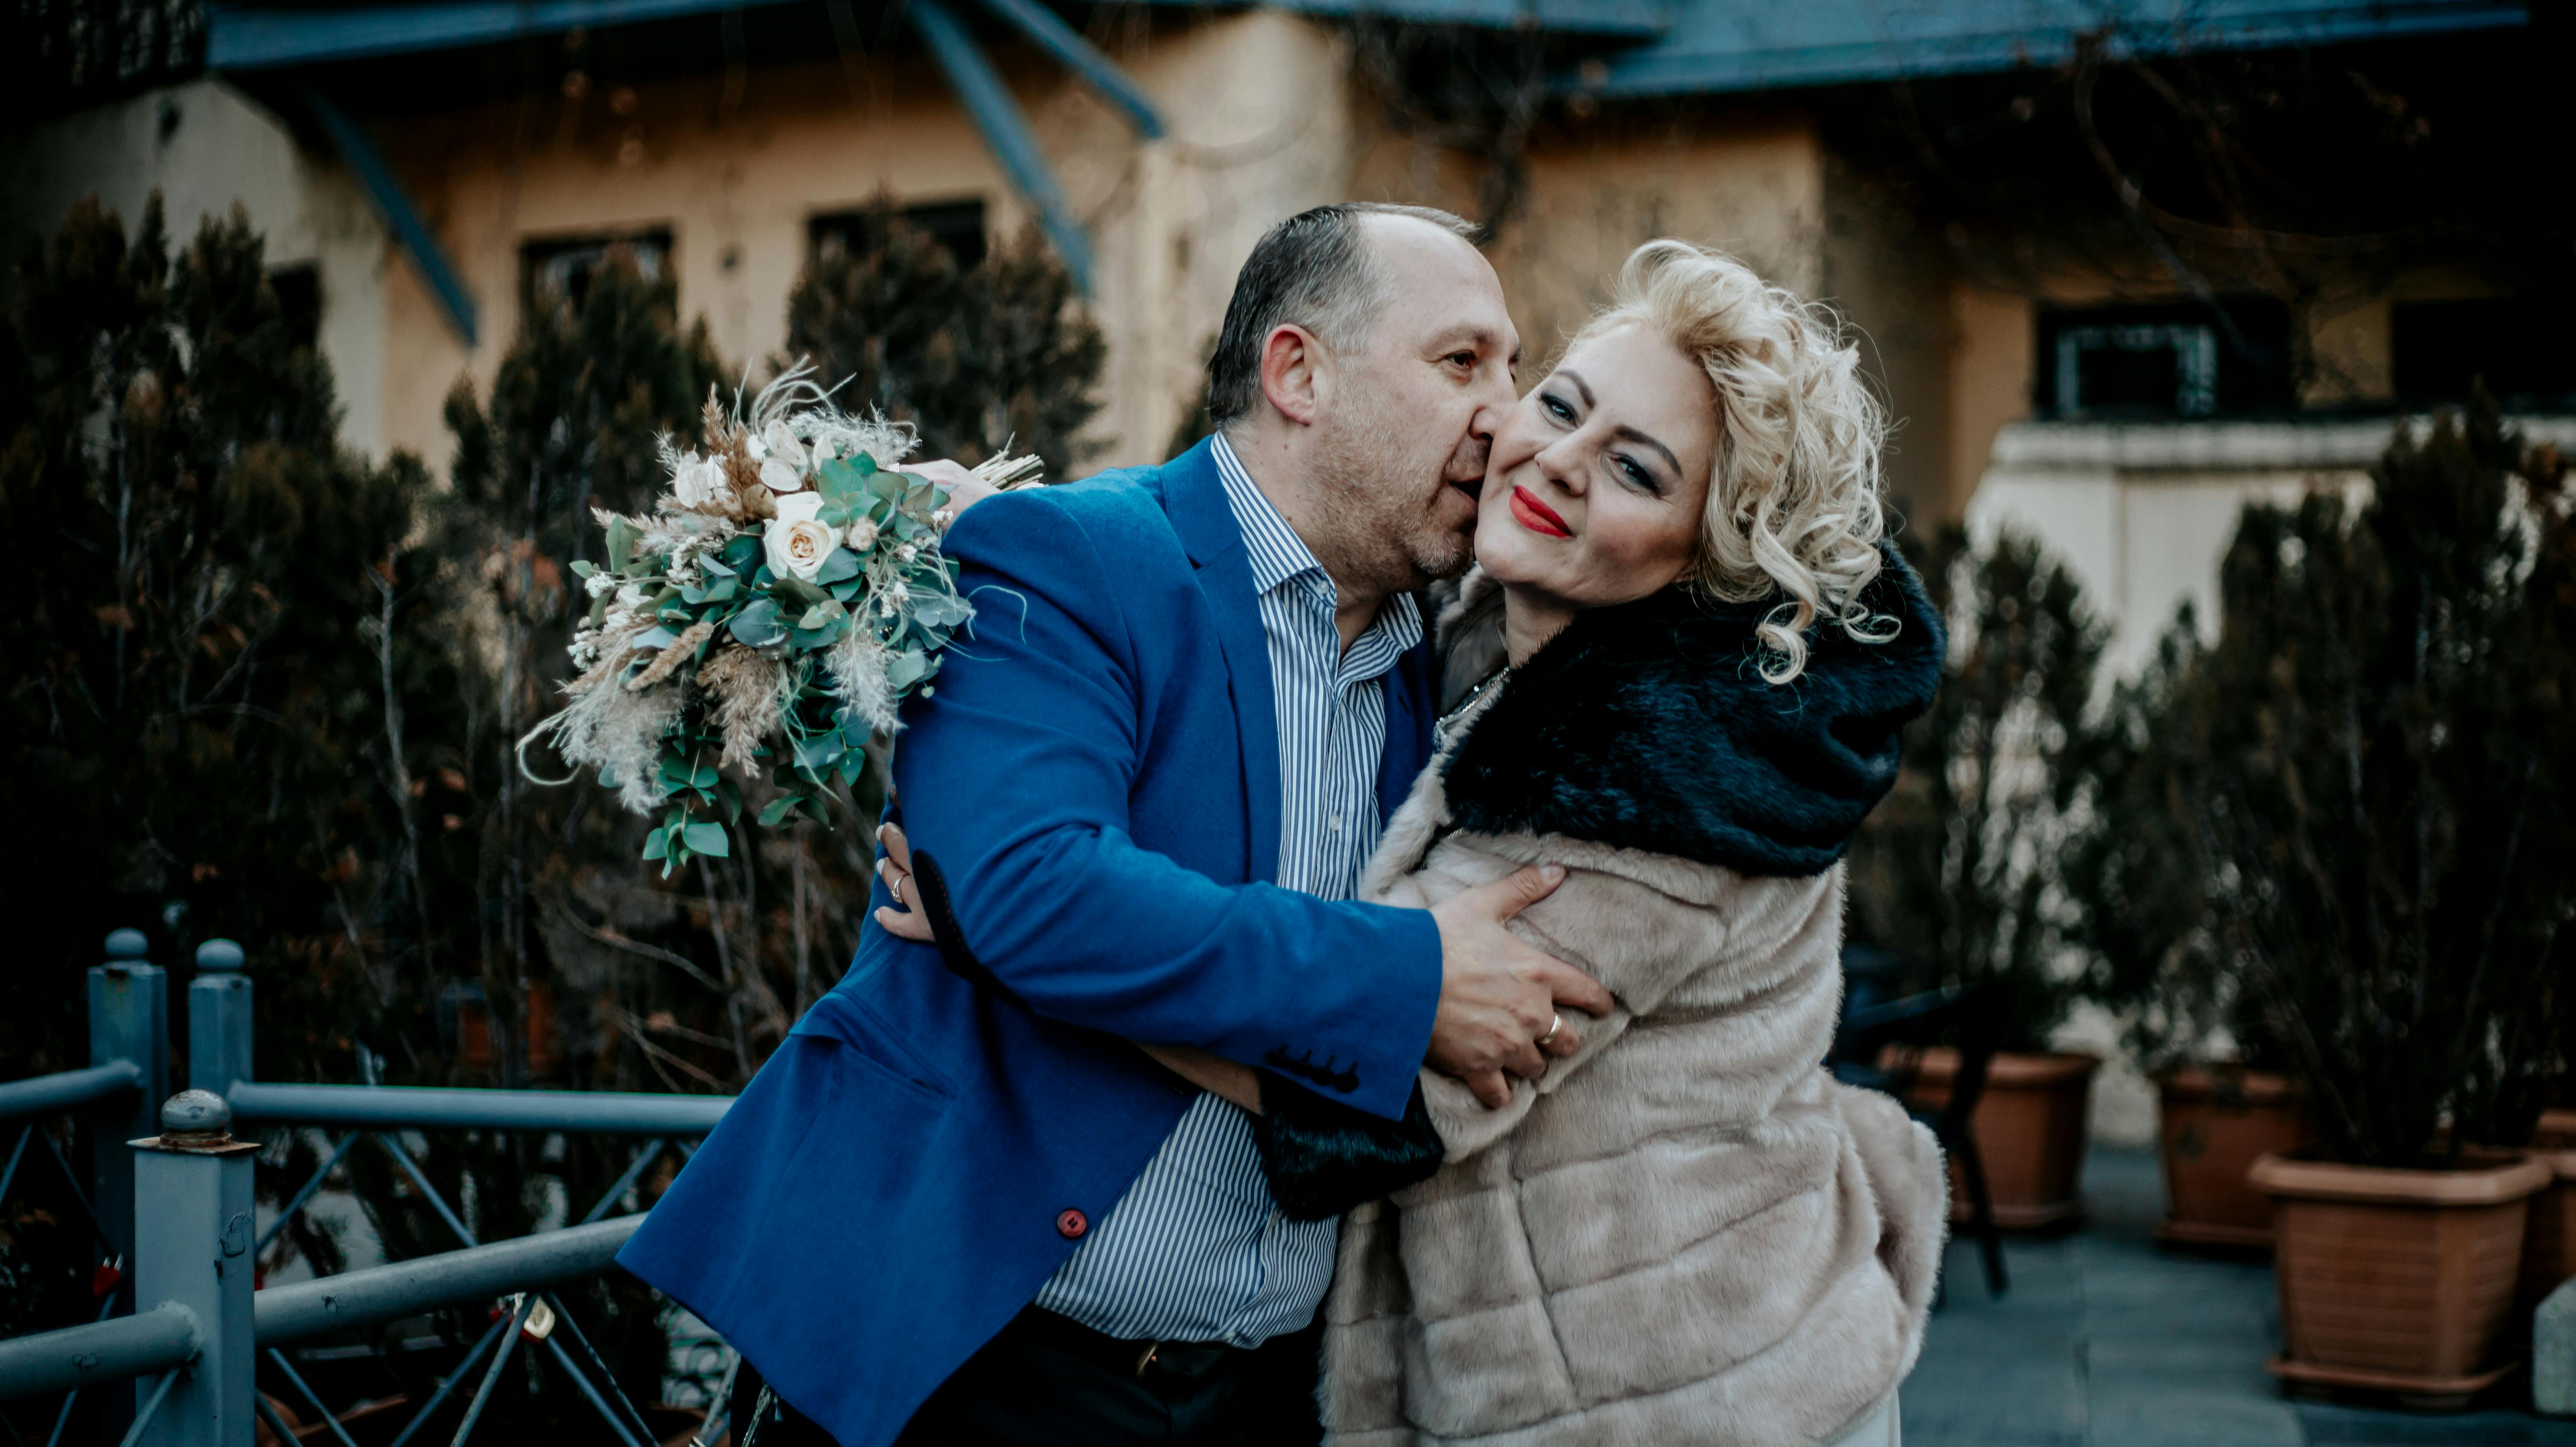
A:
(1631, 434)
(1466, 332)
(1585, 388)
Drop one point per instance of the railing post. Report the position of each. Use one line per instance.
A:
(129, 1019)
(192, 1194)
(218, 1019)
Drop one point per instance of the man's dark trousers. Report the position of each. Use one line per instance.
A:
(1049, 1382)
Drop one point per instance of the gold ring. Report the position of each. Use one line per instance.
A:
(1555, 1023)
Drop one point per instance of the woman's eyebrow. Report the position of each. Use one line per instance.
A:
(1631, 434)
(1580, 385)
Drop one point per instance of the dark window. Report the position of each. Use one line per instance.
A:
(2519, 347)
(560, 269)
(957, 225)
(2185, 359)
(299, 301)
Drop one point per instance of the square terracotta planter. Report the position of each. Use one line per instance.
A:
(2214, 1125)
(2397, 1280)
(2030, 1128)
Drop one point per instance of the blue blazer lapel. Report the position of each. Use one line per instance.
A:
(1194, 496)
(1408, 728)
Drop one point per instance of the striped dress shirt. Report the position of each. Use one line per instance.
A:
(1196, 1250)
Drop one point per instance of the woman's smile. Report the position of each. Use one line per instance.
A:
(1537, 516)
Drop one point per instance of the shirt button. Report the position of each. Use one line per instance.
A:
(1334, 824)
(1070, 1224)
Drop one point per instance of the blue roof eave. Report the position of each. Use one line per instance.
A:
(1722, 46)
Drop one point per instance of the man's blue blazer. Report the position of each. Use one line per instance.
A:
(1097, 773)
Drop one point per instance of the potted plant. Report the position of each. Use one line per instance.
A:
(2138, 874)
(1954, 868)
(2381, 790)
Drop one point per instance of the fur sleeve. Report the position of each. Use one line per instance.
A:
(1647, 927)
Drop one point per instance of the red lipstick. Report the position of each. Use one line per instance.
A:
(1537, 516)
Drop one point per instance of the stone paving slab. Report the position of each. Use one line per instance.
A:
(2107, 1340)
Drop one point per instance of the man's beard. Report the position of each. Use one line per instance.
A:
(1385, 493)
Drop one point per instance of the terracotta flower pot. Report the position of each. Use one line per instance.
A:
(2214, 1125)
(2549, 1237)
(2029, 1127)
(2557, 1131)
(2395, 1280)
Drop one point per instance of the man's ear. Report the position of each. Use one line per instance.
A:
(1295, 373)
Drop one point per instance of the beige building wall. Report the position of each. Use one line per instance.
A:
(1258, 120)
(205, 147)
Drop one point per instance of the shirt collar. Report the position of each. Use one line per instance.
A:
(1279, 555)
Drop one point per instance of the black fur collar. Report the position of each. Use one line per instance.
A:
(1646, 726)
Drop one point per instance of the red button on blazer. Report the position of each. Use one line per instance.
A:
(1072, 1224)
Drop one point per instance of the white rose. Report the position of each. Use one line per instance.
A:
(861, 536)
(797, 542)
(778, 477)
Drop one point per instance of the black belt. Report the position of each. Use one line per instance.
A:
(1127, 1356)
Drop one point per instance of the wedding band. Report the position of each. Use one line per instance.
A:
(1555, 1023)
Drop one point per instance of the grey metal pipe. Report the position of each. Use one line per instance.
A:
(45, 1094)
(387, 1293)
(100, 1352)
(390, 1107)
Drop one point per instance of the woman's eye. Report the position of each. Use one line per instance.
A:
(1638, 477)
(1556, 407)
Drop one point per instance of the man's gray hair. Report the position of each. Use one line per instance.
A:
(1311, 270)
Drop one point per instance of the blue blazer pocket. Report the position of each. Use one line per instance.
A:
(862, 1035)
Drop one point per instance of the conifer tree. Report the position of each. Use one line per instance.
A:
(1957, 867)
(995, 355)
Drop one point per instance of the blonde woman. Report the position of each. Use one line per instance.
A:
(1678, 671)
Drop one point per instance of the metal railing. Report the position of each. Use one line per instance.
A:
(109, 1103)
(206, 1327)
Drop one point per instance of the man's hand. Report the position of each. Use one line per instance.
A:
(965, 489)
(1498, 995)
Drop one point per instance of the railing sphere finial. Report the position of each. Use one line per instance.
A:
(222, 956)
(196, 1113)
(127, 944)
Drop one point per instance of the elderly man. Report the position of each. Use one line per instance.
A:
(1193, 692)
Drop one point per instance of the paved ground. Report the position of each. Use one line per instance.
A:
(2108, 1341)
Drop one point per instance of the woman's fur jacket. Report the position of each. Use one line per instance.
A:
(1688, 1232)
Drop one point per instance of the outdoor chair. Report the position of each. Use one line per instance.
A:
(1880, 1046)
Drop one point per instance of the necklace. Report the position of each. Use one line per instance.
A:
(1448, 721)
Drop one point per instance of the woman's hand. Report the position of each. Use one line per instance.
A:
(1212, 1073)
(900, 919)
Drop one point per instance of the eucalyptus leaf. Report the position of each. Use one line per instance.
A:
(707, 839)
(777, 809)
(621, 543)
(758, 625)
(799, 590)
(907, 668)
(841, 565)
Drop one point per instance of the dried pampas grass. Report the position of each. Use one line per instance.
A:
(749, 693)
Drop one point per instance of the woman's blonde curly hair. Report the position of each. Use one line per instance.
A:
(1793, 502)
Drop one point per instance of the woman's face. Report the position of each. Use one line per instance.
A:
(1596, 481)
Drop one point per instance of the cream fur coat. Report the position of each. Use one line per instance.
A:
(1688, 1232)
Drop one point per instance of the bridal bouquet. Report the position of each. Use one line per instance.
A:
(784, 596)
